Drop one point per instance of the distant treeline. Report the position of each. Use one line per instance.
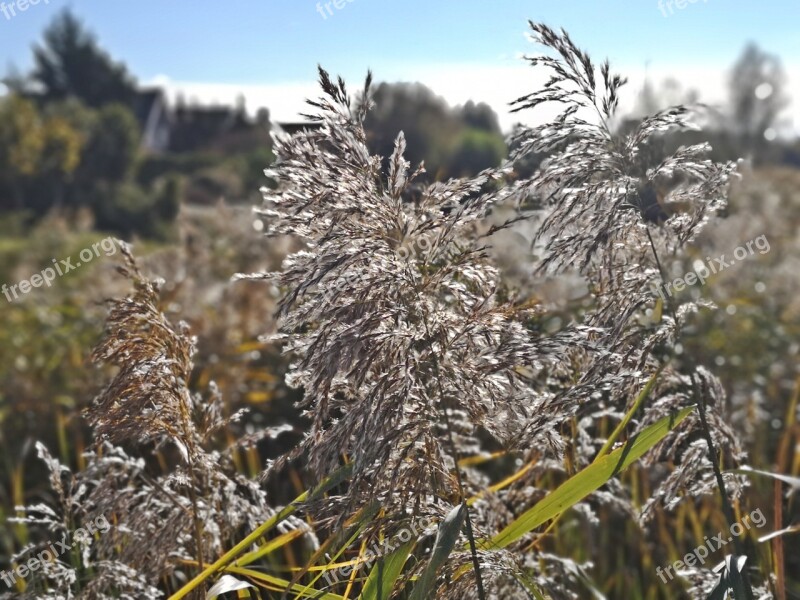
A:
(78, 133)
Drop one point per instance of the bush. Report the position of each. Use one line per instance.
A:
(127, 210)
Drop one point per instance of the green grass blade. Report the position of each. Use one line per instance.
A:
(269, 547)
(445, 542)
(366, 515)
(587, 481)
(338, 477)
(384, 574)
(278, 584)
(629, 415)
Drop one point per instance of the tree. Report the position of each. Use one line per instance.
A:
(71, 64)
(475, 150)
(61, 152)
(21, 137)
(20, 147)
(480, 116)
(113, 146)
(168, 199)
(422, 116)
(757, 97)
(433, 131)
(61, 156)
(38, 153)
(647, 101)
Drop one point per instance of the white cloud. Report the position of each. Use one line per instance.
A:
(495, 84)
(284, 100)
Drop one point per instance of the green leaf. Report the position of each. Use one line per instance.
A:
(383, 576)
(735, 564)
(624, 423)
(365, 515)
(587, 481)
(730, 580)
(720, 591)
(269, 547)
(445, 542)
(333, 480)
(227, 583)
(278, 584)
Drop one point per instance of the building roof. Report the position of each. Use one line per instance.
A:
(297, 127)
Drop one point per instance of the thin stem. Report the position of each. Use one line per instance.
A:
(198, 534)
(714, 458)
(454, 453)
(712, 451)
(190, 452)
(662, 274)
(468, 520)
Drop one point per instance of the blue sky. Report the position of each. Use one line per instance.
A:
(274, 45)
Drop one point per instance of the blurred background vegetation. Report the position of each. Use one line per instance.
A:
(86, 152)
